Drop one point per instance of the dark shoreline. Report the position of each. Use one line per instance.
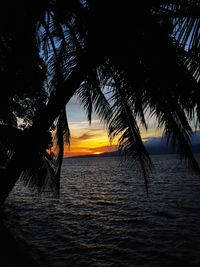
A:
(12, 252)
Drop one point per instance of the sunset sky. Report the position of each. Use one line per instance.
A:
(92, 139)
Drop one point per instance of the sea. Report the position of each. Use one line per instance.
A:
(104, 217)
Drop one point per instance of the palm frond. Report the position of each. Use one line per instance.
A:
(176, 127)
(62, 136)
(41, 176)
(93, 98)
(85, 95)
(123, 124)
(120, 68)
(182, 17)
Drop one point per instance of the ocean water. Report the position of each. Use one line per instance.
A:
(104, 217)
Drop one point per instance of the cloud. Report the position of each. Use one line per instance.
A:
(84, 125)
(84, 136)
(86, 133)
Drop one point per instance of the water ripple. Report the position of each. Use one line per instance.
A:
(104, 217)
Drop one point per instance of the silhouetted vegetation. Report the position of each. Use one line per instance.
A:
(125, 61)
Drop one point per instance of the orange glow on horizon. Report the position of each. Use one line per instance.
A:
(95, 141)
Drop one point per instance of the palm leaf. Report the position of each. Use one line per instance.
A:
(123, 125)
(92, 96)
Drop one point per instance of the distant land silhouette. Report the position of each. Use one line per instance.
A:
(155, 146)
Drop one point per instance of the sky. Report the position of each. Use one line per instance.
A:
(92, 139)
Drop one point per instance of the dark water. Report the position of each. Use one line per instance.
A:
(104, 217)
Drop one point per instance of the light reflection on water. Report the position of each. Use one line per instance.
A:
(104, 217)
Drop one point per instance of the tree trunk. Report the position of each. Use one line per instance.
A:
(42, 123)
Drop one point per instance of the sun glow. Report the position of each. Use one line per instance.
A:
(95, 141)
(97, 153)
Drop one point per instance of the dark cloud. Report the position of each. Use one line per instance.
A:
(84, 136)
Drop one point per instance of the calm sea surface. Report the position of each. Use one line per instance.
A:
(104, 217)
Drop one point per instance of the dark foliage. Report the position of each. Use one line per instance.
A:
(145, 57)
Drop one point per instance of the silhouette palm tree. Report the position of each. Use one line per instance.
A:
(125, 63)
